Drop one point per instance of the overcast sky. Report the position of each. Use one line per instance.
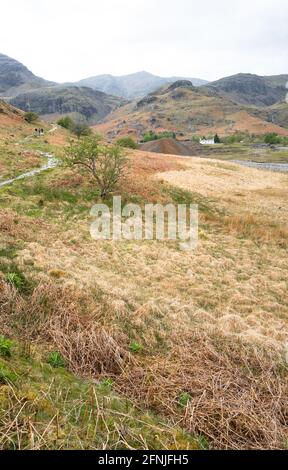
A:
(66, 40)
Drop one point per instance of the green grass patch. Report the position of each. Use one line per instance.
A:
(9, 252)
(5, 346)
(7, 376)
(16, 278)
(56, 360)
(135, 347)
(66, 412)
(181, 196)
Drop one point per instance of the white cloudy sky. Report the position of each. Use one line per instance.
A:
(66, 40)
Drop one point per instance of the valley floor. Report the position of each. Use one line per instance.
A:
(199, 339)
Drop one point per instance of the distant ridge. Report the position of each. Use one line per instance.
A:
(246, 88)
(189, 105)
(81, 103)
(187, 110)
(15, 78)
(136, 85)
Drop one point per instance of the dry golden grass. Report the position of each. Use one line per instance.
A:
(237, 272)
(237, 396)
(246, 193)
(212, 323)
(237, 392)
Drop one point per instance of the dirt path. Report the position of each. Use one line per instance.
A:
(52, 162)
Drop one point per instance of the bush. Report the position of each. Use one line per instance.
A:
(81, 130)
(237, 138)
(5, 346)
(31, 117)
(66, 122)
(150, 136)
(105, 163)
(127, 142)
(272, 138)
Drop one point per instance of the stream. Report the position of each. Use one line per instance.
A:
(282, 167)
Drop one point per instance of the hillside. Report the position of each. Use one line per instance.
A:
(20, 148)
(131, 86)
(15, 78)
(80, 102)
(138, 344)
(278, 113)
(186, 110)
(252, 89)
(9, 114)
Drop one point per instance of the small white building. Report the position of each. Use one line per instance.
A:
(207, 142)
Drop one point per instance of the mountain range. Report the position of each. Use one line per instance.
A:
(132, 86)
(185, 109)
(246, 88)
(139, 102)
(15, 78)
(80, 103)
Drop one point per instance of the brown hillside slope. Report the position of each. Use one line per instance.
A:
(10, 115)
(19, 146)
(212, 323)
(186, 110)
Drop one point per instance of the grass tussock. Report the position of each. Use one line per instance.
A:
(71, 322)
(233, 394)
(18, 226)
(43, 408)
(258, 229)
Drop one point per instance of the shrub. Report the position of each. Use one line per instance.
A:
(66, 122)
(150, 136)
(236, 138)
(5, 346)
(81, 130)
(56, 360)
(168, 134)
(272, 138)
(127, 142)
(105, 163)
(31, 117)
